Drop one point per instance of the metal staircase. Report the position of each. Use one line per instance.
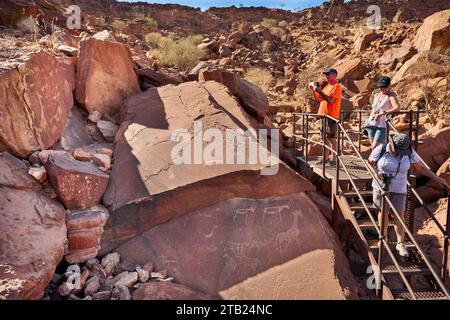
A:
(351, 193)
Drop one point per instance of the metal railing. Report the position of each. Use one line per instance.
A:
(384, 244)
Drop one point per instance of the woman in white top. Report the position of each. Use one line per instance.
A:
(384, 102)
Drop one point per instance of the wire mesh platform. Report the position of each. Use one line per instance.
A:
(354, 165)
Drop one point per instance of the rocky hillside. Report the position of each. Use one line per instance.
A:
(85, 143)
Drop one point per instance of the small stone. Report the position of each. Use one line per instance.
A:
(120, 292)
(157, 275)
(124, 266)
(87, 298)
(102, 160)
(39, 173)
(34, 158)
(102, 295)
(95, 116)
(73, 297)
(99, 272)
(110, 261)
(106, 151)
(92, 262)
(126, 278)
(44, 154)
(108, 129)
(65, 289)
(81, 155)
(82, 283)
(148, 266)
(92, 286)
(143, 275)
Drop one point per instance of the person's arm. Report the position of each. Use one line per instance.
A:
(329, 99)
(395, 105)
(430, 174)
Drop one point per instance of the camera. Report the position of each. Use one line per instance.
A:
(314, 85)
(387, 179)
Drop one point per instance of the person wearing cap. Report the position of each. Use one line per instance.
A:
(385, 101)
(330, 104)
(395, 159)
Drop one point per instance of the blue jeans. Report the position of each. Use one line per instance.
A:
(376, 134)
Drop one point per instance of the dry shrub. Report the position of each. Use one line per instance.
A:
(260, 77)
(153, 38)
(119, 25)
(151, 22)
(433, 80)
(273, 26)
(182, 54)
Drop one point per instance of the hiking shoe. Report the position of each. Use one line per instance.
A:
(402, 251)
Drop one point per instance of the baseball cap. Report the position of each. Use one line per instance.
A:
(329, 71)
(384, 82)
(402, 144)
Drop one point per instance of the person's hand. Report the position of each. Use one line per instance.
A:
(380, 114)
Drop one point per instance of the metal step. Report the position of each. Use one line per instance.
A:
(366, 223)
(373, 244)
(421, 294)
(407, 267)
(353, 194)
(358, 207)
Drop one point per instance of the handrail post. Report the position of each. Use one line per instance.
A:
(324, 138)
(381, 237)
(444, 272)
(307, 137)
(303, 134)
(411, 120)
(295, 140)
(359, 129)
(416, 132)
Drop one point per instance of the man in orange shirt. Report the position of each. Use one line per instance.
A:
(330, 104)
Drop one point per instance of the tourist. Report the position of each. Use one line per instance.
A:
(385, 101)
(392, 162)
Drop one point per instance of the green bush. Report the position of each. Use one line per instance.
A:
(151, 22)
(261, 77)
(182, 54)
(153, 38)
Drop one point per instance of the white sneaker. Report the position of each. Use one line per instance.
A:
(402, 251)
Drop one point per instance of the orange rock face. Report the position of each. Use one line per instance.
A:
(32, 242)
(275, 248)
(35, 102)
(84, 230)
(434, 32)
(106, 76)
(147, 188)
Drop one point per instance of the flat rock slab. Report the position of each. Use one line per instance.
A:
(147, 188)
(276, 248)
(33, 238)
(35, 102)
(79, 185)
(167, 291)
(14, 173)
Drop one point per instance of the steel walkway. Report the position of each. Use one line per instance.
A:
(413, 278)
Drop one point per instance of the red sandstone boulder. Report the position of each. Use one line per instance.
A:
(35, 103)
(106, 76)
(147, 188)
(274, 248)
(364, 38)
(435, 144)
(251, 97)
(167, 291)
(434, 32)
(14, 173)
(158, 78)
(32, 242)
(79, 185)
(84, 230)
